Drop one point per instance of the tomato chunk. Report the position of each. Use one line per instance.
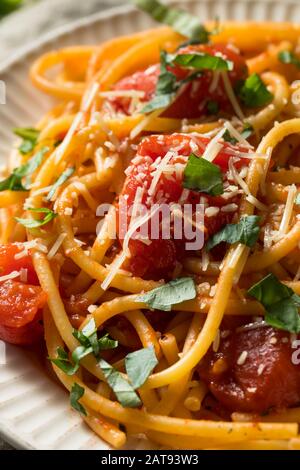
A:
(20, 306)
(253, 371)
(192, 101)
(9, 263)
(158, 259)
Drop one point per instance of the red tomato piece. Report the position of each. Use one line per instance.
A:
(158, 259)
(20, 306)
(192, 101)
(8, 263)
(256, 372)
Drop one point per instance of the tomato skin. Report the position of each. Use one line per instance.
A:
(192, 101)
(20, 306)
(241, 387)
(8, 263)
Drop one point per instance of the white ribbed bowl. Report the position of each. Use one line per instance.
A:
(34, 411)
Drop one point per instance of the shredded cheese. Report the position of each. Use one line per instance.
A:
(214, 146)
(288, 210)
(231, 95)
(9, 276)
(56, 245)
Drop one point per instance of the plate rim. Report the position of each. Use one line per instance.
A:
(21, 53)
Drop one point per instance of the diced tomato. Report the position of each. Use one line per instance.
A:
(192, 101)
(253, 371)
(9, 263)
(157, 146)
(158, 259)
(20, 306)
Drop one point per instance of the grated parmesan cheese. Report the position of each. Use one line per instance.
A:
(55, 247)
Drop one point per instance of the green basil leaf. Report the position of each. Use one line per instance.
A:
(203, 61)
(288, 57)
(181, 21)
(7, 6)
(245, 232)
(228, 137)
(63, 362)
(139, 365)
(80, 352)
(297, 199)
(29, 136)
(203, 176)
(174, 292)
(213, 107)
(60, 181)
(77, 392)
(14, 181)
(280, 302)
(158, 102)
(246, 133)
(34, 223)
(87, 337)
(253, 92)
(122, 389)
(107, 343)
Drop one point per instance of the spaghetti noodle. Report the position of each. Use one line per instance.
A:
(195, 348)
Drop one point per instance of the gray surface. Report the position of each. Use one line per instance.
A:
(31, 22)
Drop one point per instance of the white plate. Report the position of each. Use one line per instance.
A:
(34, 411)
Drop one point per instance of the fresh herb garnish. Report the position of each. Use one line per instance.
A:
(246, 133)
(203, 176)
(203, 61)
(77, 392)
(63, 362)
(29, 136)
(253, 92)
(88, 339)
(174, 292)
(212, 107)
(181, 21)
(281, 303)
(297, 199)
(14, 181)
(139, 365)
(245, 232)
(288, 57)
(34, 223)
(60, 181)
(123, 390)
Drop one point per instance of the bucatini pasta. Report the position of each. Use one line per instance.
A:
(150, 231)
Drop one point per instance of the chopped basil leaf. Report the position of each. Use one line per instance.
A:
(280, 302)
(228, 137)
(122, 389)
(80, 352)
(139, 365)
(7, 6)
(203, 176)
(34, 223)
(203, 61)
(253, 92)
(88, 339)
(288, 57)
(63, 362)
(166, 86)
(212, 107)
(175, 292)
(246, 132)
(77, 392)
(245, 232)
(14, 181)
(29, 136)
(181, 21)
(61, 180)
(297, 199)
